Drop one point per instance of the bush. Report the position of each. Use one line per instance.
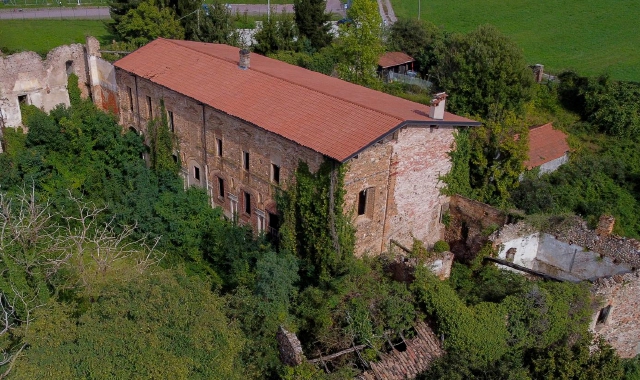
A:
(441, 246)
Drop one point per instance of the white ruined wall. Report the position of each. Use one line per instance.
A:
(43, 82)
(526, 250)
(553, 165)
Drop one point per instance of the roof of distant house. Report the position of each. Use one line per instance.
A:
(394, 58)
(545, 144)
(336, 118)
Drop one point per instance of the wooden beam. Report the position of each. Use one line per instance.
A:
(524, 269)
(333, 356)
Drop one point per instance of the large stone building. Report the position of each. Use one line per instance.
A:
(244, 122)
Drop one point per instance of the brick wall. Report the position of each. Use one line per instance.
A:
(197, 141)
(621, 328)
(403, 171)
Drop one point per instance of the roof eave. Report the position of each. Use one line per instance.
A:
(416, 123)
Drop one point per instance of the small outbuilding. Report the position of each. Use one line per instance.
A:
(548, 148)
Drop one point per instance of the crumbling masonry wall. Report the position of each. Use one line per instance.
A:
(621, 327)
(28, 78)
(402, 170)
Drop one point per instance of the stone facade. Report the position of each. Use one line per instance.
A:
(200, 130)
(618, 320)
(398, 175)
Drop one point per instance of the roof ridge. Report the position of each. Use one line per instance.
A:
(296, 84)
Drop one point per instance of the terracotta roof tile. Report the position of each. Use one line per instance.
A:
(394, 58)
(328, 115)
(545, 144)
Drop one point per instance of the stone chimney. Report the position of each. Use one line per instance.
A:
(290, 348)
(437, 106)
(244, 59)
(538, 71)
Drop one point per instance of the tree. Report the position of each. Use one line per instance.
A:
(360, 44)
(147, 22)
(216, 25)
(488, 160)
(160, 325)
(484, 73)
(278, 33)
(313, 22)
(418, 38)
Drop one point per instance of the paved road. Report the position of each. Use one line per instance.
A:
(55, 13)
(333, 6)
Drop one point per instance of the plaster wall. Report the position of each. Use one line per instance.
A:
(553, 165)
(526, 250)
(42, 82)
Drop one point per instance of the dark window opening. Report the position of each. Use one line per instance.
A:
(273, 229)
(196, 173)
(130, 95)
(22, 100)
(275, 173)
(362, 202)
(221, 187)
(149, 107)
(69, 67)
(603, 315)
(175, 158)
(511, 254)
(170, 121)
(247, 203)
(219, 147)
(132, 129)
(245, 160)
(365, 202)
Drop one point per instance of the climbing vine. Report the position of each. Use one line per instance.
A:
(314, 224)
(162, 142)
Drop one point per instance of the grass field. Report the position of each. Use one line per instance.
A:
(43, 35)
(590, 36)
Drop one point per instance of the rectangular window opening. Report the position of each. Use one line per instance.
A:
(220, 187)
(150, 113)
(69, 67)
(130, 97)
(219, 147)
(196, 173)
(275, 173)
(247, 203)
(22, 100)
(245, 160)
(170, 120)
(365, 202)
(603, 315)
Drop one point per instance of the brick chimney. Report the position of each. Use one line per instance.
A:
(437, 106)
(538, 72)
(244, 59)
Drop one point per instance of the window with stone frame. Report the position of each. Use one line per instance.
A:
(247, 203)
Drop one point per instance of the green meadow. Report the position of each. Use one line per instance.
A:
(43, 35)
(590, 36)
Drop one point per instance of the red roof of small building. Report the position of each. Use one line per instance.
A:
(545, 144)
(336, 118)
(394, 58)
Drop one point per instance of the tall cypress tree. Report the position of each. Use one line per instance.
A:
(312, 21)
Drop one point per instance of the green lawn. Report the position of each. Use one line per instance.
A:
(43, 35)
(590, 36)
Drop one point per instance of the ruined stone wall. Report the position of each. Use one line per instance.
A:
(104, 90)
(42, 83)
(197, 147)
(469, 220)
(403, 170)
(621, 327)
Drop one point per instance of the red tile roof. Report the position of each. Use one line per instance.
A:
(394, 58)
(545, 144)
(328, 115)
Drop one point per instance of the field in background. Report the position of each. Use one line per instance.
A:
(590, 36)
(43, 35)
